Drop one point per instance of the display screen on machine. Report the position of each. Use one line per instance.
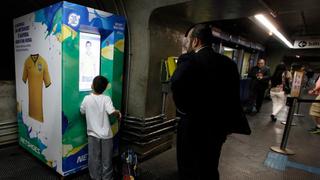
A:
(89, 59)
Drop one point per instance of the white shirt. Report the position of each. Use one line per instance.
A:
(197, 50)
(97, 108)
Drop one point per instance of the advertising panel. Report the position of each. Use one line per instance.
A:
(38, 85)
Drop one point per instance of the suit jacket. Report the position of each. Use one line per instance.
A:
(262, 83)
(205, 85)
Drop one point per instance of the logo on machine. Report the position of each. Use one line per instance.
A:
(73, 19)
(302, 43)
(39, 67)
(82, 158)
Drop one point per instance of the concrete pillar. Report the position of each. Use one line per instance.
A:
(139, 12)
(8, 112)
(7, 101)
(165, 40)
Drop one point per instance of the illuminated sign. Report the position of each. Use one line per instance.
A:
(89, 59)
(296, 83)
(306, 44)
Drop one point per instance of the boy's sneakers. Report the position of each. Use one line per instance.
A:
(315, 130)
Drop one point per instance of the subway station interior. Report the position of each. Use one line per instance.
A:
(137, 45)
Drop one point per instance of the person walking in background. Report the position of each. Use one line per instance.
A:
(97, 107)
(203, 130)
(260, 76)
(309, 75)
(280, 87)
(315, 109)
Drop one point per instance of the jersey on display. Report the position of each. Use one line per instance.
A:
(35, 71)
(89, 59)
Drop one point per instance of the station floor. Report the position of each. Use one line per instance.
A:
(242, 157)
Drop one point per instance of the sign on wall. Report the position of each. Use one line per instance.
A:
(306, 44)
(296, 83)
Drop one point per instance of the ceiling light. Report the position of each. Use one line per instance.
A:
(273, 14)
(227, 49)
(265, 22)
(297, 56)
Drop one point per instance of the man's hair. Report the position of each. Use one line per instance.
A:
(202, 32)
(88, 42)
(100, 84)
(261, 59)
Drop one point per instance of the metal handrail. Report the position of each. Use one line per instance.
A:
(308, 101)
(9, 133)
(7, 123)
(8, 127)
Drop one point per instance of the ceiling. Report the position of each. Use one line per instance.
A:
(295, 18)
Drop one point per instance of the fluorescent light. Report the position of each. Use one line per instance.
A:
(264, 21)
(227, 49)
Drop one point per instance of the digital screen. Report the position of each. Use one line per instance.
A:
(89, 59)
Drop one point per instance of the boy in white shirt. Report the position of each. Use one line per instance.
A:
(97, 107)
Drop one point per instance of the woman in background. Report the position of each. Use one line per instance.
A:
(280, 81)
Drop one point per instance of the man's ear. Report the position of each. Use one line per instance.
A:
(193, 42)
(196, 42)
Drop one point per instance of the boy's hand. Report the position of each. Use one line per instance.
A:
(117, 114)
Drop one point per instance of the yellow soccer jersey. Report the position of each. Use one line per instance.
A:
(35, 71)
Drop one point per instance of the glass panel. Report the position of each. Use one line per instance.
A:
(89, 59)
(245, 65)
(228, 52)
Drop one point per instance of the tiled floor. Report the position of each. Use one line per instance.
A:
(243, 157)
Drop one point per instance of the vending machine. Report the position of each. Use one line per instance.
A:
(58, 51)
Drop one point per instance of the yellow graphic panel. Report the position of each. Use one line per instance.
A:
(67, 32)
(120, 45)
(115, 127)
(171, 65)
(107, 52)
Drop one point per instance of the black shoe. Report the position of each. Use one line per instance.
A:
(273, 118)
(314, 130)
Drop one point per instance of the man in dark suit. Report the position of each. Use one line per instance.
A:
(260, 76)
(204, 85)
